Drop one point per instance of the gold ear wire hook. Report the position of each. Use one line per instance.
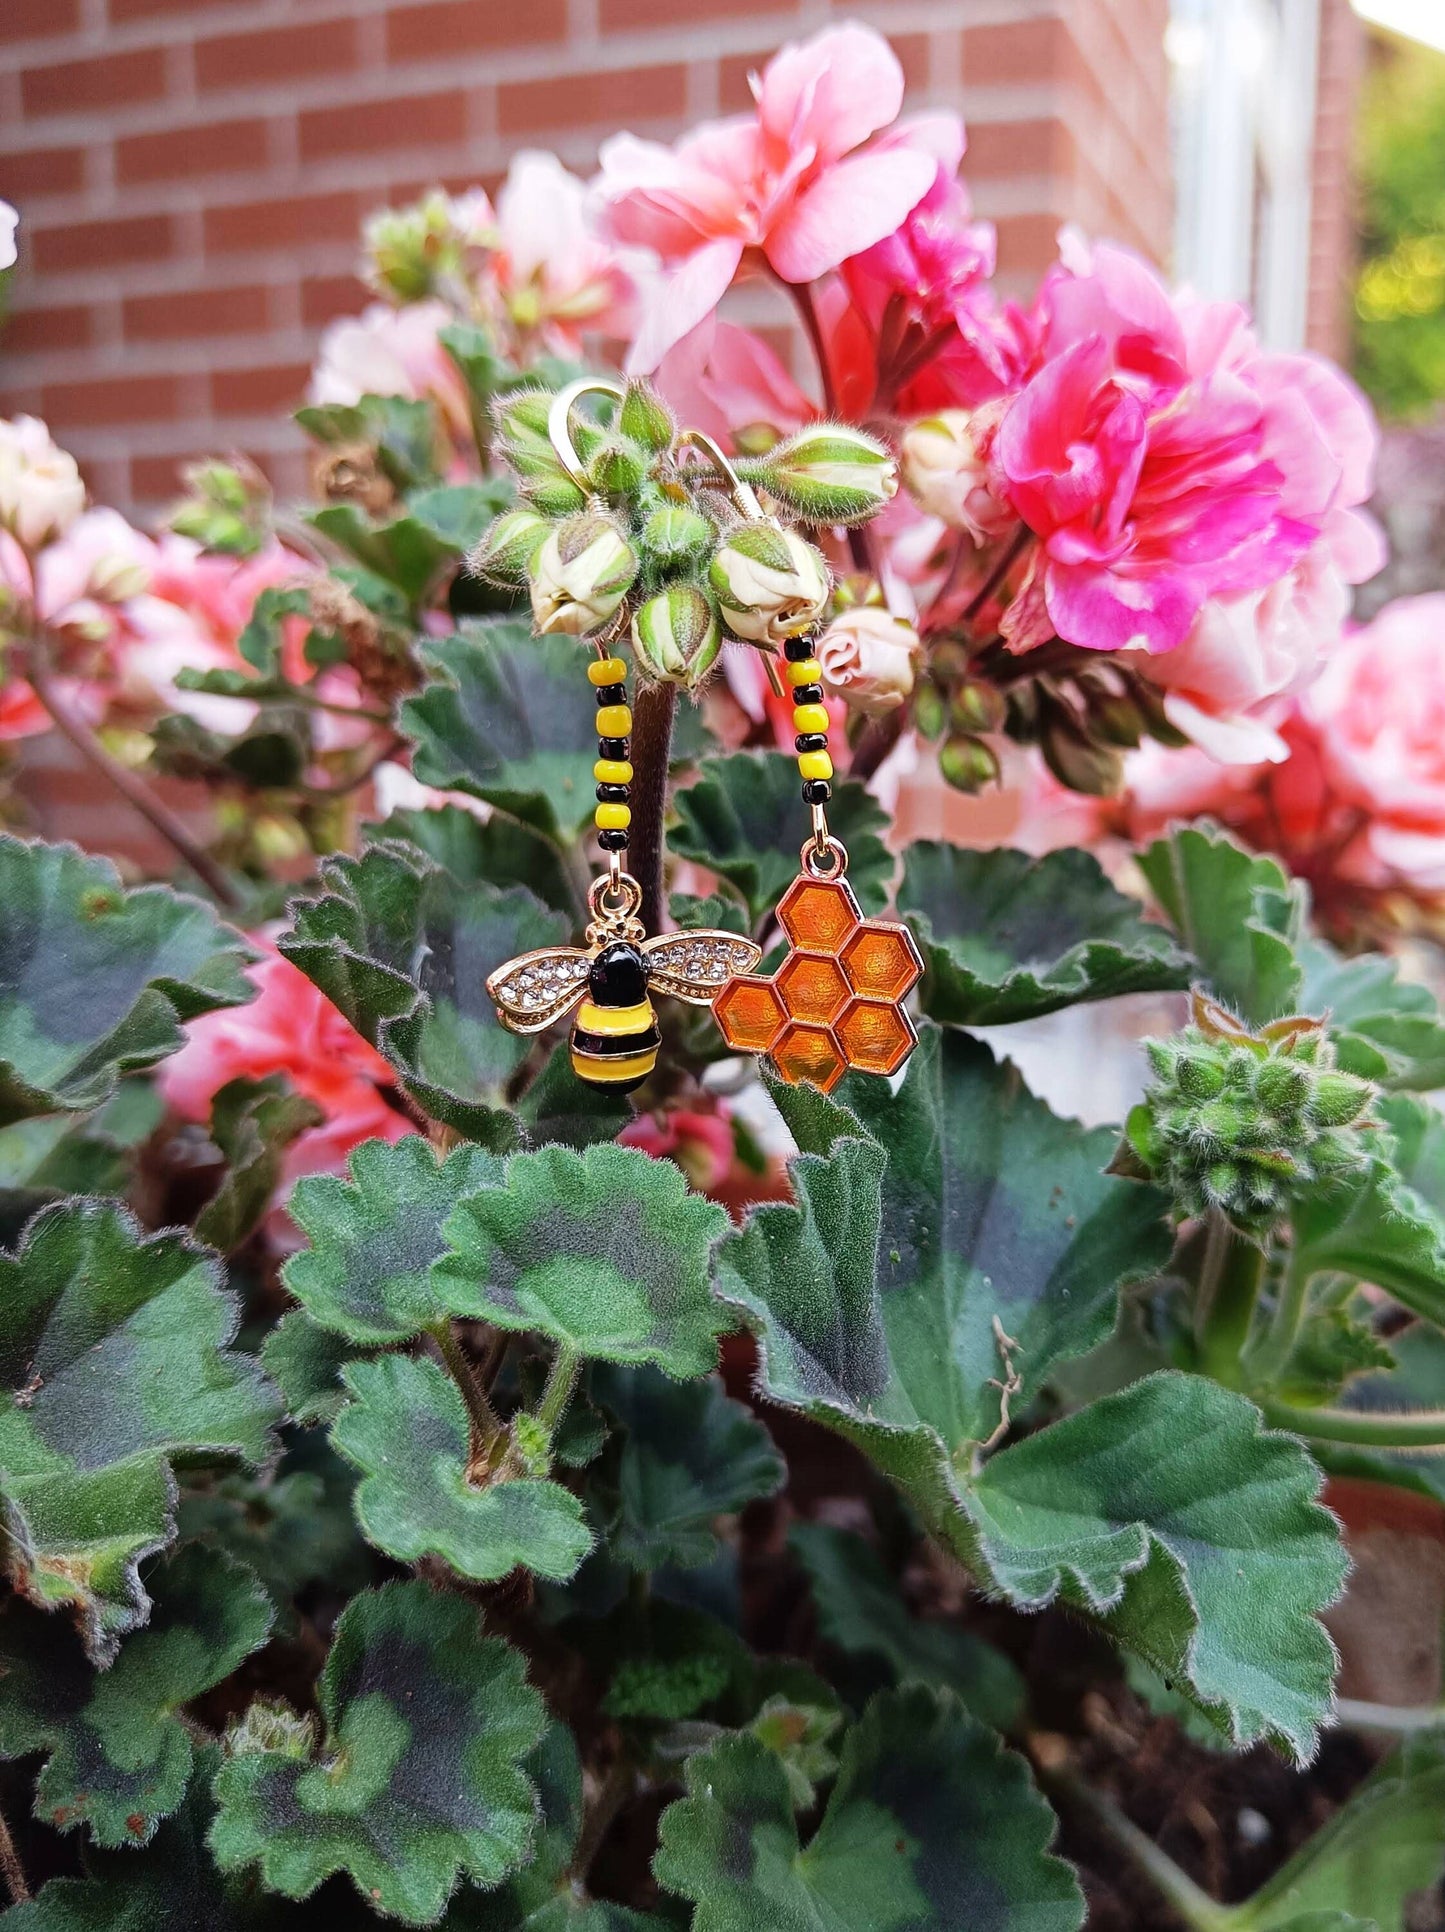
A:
(742, 493)
(559, 432)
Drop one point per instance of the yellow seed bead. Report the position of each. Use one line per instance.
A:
(810, 717)
(815, 764)
(607, 670)
(810, 671)
(614, 721)
(612, 771)
(613, 818)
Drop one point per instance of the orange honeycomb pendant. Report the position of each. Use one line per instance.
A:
(836, 1001)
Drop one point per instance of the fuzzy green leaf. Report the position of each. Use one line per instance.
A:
(1007, 937)
(118, 1757)
(112, 1356)
(687, 1453)
(605, 1252)
(406, 551)
(1385, 1029)
(305, 1361)
(1385, 1843)
(509, 718)
(253, 1122)
(373, 1239)
(94, 979)
(405, 952)
(498, 851)
(419, 1776)
(860, 1611)
(931, 1827)
(1236, 914)
(879, 1292)
(406, 1429)
(560, 1107)
(745, 820)
(1376, 1228)
(543, 1898)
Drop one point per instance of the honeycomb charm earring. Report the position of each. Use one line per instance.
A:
(835, 1001)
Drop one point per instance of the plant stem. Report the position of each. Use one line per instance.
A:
(1265, 1362)
(132, 789)
(1002, 566)
(875, 741)
(486, 1423)
(1418, 1430)
(1224, 1309)
(616, 1790)
(10, 1866)
(1399, 1719)
(652, 721)
(1197, 1909)
(561, 1381)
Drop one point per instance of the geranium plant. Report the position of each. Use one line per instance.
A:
(438, 1491)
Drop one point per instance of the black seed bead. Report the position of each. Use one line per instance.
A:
(808, 694)
(610, 694)
(797, 650)
(615, 748)
(613, 840)
(613, 794)
(816, 791)
(810, 741)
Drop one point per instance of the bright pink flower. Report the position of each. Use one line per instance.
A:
(22, 715)
(289, 1028)
(794, 180)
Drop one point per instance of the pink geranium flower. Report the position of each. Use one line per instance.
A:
(800, 180)
(553, 272)
(289, 1028)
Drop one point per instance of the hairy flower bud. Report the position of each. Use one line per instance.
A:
(676, 634)
(1243, 1122)
(412, 252)
(580, 575)
(827, 473)
(227, 508)
(967, 763)
(645, 418)
(676, 539)
(770, 584)
(616, 467)
(506, 552)
(521, 426)
(41, 493)
(868, 658)
(945, 467)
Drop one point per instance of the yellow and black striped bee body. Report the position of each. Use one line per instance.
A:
(615, 1036)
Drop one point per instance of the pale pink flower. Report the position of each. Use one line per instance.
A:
(41, 492)
(391, 352)
(801, 180)
(868, 658)
(290, 1028)
(553, 271)
(945, 467)
(726, 380)
(9, 223)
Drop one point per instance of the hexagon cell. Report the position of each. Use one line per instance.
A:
(812, 987)
(750, 1014)
(876, 1037)
(881, 962)
(809, 1053)
(818, 914)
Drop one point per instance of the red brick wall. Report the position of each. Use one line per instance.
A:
(1333, 210)
(191, 174)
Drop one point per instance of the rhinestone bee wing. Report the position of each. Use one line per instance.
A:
(536, 988)
(695, 966)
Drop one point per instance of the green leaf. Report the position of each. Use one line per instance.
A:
(1236, 914)
(605, 1252)
(419, 1776)
(406, 1430)
(404, 432)
(1007, 937)
(1377, 1229)
(457, 514)
(406, 551)
(405, 952)
(560, 1107)
(1385, 1843)
(509, 718)
(860, 1611)
(689, 1453)
(373, 1239)
(715, 913)
(745, 820)
(305, 1361)
(877, 1296)
(261, 640)
(931, 1827)
(1194, 1536)
(1385, 1029)
(543, 1898)
(118, 1757)
(253, 1122)
(51, 1155)
(497, 851)
(95, 980)
(112, 1356)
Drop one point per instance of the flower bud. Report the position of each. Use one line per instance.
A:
(930, 711)
(770, 584)
(976, 706)
(412, 252)
(1074, 758)
(676, 634)
(945, 467)
(41, 493)
(505, 554)
(645, 419)
(227, 508)
(676, 538)
(580, 575)
(868, 658)
(968, 764)
(827, 473)
(616, 467)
